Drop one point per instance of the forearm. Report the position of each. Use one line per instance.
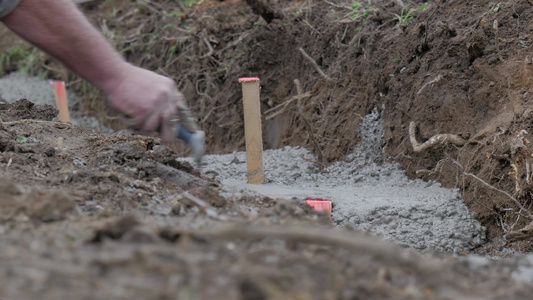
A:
(59, 28)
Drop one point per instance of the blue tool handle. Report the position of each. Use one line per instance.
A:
(184, 134)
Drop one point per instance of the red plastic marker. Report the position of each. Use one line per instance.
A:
(319, 204)
(61, 100)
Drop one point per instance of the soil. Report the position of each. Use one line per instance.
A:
(89, 216)
(86, 216)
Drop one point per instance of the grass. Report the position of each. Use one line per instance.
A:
(21, 139)
(18, 58)
(189, 3)
(172, 14)
(360, 11)
(406, 14)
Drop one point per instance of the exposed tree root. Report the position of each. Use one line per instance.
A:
(525, 233)
(284, 106)
(434, 140)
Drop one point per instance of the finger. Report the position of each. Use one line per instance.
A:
(168, 132)
(180, 100)
(187, 120)
(153, 120)
(168, 126)
(134, 123)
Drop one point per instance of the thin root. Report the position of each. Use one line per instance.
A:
(437, 79)
(308, 125)
(284, 106)
(313, 62)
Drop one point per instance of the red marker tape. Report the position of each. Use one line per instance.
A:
(319, 204)
(248, 79)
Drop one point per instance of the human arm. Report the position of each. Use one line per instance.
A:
(59, 28)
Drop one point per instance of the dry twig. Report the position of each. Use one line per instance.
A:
(284, 106)
(525, 233)
(209, 210)
(322, 165)
(437, 79)
(483, 182)
(313, 62)
(308, 124)
(208, 44)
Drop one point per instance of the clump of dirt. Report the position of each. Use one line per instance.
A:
(25, 109)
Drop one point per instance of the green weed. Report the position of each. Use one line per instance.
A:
(356, 12)
(496, 7)
(189, 3)
(20, 59)
(172, 53)
(360, 11)
(407, 15)
(172, 14)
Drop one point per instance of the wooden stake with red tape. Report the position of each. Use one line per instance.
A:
(252, 129)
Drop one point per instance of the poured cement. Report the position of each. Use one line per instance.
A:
(367, 194)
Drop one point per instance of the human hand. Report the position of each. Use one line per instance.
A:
(149, 101)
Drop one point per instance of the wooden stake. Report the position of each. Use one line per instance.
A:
(61, 100)
(252, 130)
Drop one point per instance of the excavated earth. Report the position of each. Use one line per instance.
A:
(85, 215)
(92, 216)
